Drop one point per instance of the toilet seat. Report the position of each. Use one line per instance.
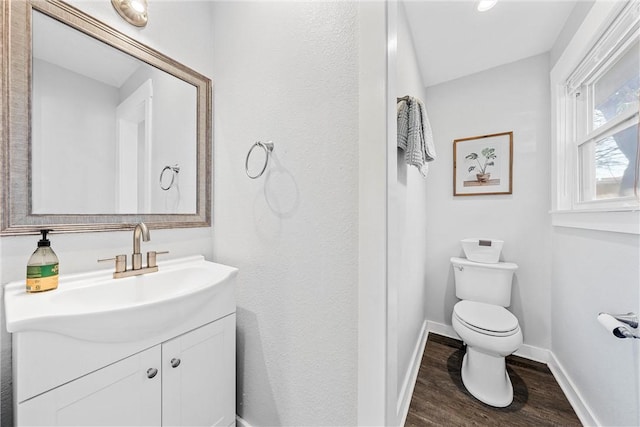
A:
(487, 319)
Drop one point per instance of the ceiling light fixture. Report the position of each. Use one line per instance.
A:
(484, 5)
(132, 11)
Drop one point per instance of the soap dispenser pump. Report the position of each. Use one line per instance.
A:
(42, 268)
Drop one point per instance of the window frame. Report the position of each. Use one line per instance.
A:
(606, 21)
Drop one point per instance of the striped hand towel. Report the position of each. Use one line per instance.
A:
(414, 134)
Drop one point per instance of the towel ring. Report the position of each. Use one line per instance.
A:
(174, 171)
(268, 148)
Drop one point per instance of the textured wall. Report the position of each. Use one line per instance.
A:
(288, 72)
(513, 97)
(190, 24)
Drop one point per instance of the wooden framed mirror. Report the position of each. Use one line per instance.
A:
(99, 131)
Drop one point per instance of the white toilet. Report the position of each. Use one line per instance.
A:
(489, 330)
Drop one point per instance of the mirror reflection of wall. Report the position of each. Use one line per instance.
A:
(104, 124)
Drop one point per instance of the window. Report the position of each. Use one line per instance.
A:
(595, 89)
(602, 121)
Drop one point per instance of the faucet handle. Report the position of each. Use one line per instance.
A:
(121, 262)
(151, 257)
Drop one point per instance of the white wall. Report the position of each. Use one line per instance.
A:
(174, 138)
(513, 97)
(595, 272)
(376, 30)
(408, 226)
(69, 128)
(577, 15)
(288, 72)
(175, 142)
(191, 26)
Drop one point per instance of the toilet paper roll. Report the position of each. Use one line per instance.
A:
(612, 325)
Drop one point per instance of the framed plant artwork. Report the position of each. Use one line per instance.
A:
(483, 165)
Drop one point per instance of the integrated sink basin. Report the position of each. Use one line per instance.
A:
(96, 307)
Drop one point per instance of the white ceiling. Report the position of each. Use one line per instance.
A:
(452, 39)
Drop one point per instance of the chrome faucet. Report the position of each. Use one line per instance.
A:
(140, 230)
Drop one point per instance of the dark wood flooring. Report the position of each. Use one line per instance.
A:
(440, 398)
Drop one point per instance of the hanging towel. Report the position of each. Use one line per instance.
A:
(414, 134)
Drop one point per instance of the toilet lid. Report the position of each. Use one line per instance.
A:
(486, 317)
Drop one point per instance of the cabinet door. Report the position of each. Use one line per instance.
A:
(199, 376)
(121, 394)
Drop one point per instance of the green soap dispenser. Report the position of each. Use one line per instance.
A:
(42, 268)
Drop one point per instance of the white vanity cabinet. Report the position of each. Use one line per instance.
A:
(198, 376)
(186, 381)
(119, 394)
(168, 361)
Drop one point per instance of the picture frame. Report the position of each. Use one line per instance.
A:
(483, 165)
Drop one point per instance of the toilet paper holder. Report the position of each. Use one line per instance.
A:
(630, 318)
(616, 323)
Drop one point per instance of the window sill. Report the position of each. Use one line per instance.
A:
(617, 221)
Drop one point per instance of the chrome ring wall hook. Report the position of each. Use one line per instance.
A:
(268, 148)
(174, 171)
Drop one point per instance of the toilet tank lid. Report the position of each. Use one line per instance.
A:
(498, 265)
(478, 240)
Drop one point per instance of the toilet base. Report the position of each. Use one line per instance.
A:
(485, 377)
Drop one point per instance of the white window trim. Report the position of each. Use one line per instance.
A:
(592, 215)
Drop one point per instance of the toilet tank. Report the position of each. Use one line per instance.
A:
(488, 283)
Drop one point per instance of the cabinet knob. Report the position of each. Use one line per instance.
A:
(152, 372)
(175, 362)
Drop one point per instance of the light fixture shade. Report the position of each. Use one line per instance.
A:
(484, 5)
(132, 11)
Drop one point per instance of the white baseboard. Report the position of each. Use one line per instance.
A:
(574, 397)
(241, 422)
(531, 352)
(442, 329)
(411, 376)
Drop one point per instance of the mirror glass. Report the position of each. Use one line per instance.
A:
(102, 131)
(111, 134)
